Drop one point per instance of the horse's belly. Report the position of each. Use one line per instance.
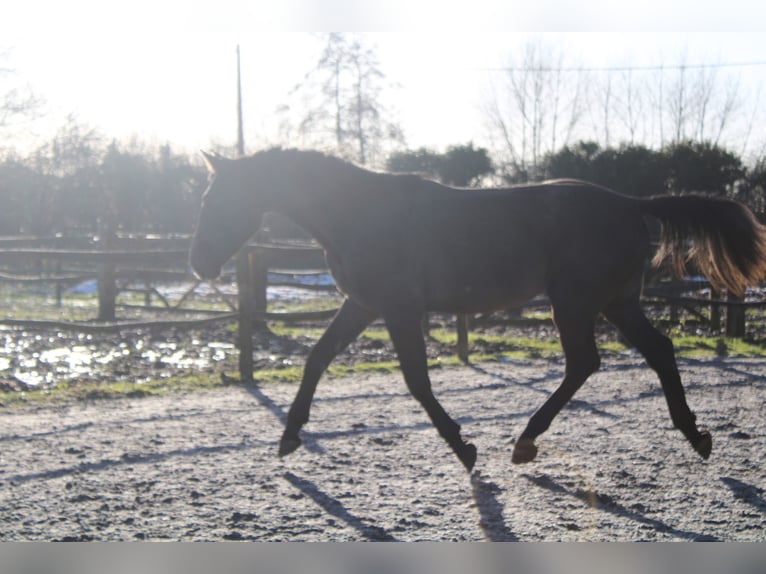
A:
(448, 282)
(482, 296)
(480, 301)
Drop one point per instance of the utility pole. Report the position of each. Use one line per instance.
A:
(244, 269)
(240, 131)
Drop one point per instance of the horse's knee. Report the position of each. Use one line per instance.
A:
(664, 346)
(583, 365)
(660, 355)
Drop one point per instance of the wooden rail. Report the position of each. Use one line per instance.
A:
(149, 260)
(128, 259)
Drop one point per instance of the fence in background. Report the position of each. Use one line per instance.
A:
(139, 264)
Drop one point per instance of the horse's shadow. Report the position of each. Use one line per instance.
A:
(746, 492)
(606, 503)
(335, 508)
(492, 521)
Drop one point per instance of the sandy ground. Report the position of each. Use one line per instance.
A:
(203, 466)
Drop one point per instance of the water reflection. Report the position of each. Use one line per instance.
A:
(33, 360)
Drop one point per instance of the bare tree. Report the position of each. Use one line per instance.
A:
(630, 105)
(697, 103)
(535, 106)
(540, 103)
(601, 106)
(340, 102)
(17, 102)
(68, 164)
(616, 105)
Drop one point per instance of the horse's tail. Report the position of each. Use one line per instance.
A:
(721, 236)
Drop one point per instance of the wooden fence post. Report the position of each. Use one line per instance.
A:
(735, 317)
(462, 337)
(59, 287)
(107, 283)
(147, 293)
(259, 277)
(245, 316)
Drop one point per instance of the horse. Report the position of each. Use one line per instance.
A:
(400, 246)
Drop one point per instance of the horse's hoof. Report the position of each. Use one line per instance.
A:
(467, 455)
(288, 444)
(704, 445)
(524, 451)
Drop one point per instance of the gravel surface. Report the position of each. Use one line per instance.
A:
(203, 465)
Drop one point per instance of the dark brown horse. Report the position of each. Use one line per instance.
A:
(399, 246)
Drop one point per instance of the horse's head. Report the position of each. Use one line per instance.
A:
(227, 219)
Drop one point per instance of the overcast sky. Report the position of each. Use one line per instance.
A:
(165, 71)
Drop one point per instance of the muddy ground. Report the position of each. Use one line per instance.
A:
(203, 465)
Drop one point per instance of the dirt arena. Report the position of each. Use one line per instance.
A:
(203, 466)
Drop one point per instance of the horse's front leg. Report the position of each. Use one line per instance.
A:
(347, 325)
(407, 337)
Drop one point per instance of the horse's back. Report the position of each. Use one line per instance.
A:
(513, 244)
(478, 250)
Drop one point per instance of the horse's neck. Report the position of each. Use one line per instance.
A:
(321, 202)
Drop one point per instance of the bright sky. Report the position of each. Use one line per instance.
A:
(165, 71)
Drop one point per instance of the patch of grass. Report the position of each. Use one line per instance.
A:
(86, 391)
(41, 306)
(488, 347)
(294, 373)
(322, 303)
(700, 346)
(539, 315)
(283, 330)
(295, 331)
(91, 390)
(510, 346)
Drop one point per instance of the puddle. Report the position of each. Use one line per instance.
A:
(36, 360)
(43, 359)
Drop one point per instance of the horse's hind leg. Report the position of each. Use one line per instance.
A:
(347, 325)
(657, 349)
(582, 359)
(407, 337)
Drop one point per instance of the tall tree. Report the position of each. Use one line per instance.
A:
(460, 165)
(422, 161)
(342, 102)
(17, 102)
(630, 169)
(702, 167)
(533, 110)
(638, 170)
(465, 165)
(675, 104)
(70, 192)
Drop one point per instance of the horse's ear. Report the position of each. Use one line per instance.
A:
(211, 161)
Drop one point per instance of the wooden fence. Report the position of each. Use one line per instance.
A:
(128, 264)
(139, 263)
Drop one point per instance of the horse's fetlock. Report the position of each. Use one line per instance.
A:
(686, 423)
